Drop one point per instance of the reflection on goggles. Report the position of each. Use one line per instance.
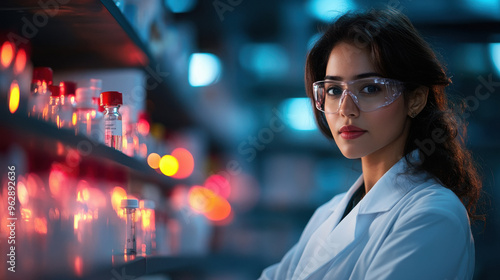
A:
(368, 94)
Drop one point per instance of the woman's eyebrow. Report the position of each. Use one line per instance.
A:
(359, 76)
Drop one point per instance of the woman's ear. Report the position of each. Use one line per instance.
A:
(417, 101)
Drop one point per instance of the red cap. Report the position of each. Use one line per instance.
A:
(41, 74)
(111, 98)
(55, 90)
(96, 100)
(67, 88)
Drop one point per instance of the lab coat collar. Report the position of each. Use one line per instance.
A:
(388, 190)
(392, 186)
(329, 241)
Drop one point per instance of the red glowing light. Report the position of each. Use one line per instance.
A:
(219, 185)
(78, 266)
(7, 54)
(56, 181)
(143, 127)
(186, 163)
(20, 62)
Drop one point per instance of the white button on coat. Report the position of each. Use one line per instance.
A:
(407, 226)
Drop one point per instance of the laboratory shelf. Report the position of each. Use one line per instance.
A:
(74, 35)
(45, 144)
(180, 267)
(88, 34)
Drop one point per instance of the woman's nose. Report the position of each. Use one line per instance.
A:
(347, 106)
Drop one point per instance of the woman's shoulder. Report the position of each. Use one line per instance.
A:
(433, 200)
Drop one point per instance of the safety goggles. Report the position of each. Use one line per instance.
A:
(369, 94)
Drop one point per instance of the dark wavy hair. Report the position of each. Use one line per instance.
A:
(399, 52)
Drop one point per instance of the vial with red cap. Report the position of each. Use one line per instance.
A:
(38, 102)
(54, 103)
(67, 91)
(111, 101)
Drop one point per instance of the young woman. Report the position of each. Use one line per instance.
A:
(379, 91)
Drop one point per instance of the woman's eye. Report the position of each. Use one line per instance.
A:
(335, 90)
(371, 89)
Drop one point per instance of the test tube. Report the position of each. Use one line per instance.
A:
(129, 206)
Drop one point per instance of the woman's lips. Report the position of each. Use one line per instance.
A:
(351, 132)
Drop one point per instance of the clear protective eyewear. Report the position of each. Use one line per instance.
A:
(369, 94)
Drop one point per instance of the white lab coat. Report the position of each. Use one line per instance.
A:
(406, 227)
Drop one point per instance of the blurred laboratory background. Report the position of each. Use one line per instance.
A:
(219, 145)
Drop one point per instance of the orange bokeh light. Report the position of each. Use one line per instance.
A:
(117, 195)
(41, 225)
(20, 62)
(7, 54)
(219, 185)
(154, 160)
(26, 214)
(74, 118)
(22, 193)
(14, 97)
(220, 210)
(56, 180)
(186, 163)
(201, 199)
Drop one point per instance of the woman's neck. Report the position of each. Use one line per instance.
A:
(375, 166)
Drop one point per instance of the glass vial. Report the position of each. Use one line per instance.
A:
(129, 206)
(111, 101)
(54, 104)
(67, 114)
(85, 111)
(38, 102)
(147, 241)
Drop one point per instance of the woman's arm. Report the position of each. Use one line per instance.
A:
(435, 243)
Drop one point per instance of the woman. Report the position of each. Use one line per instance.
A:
(379, 92)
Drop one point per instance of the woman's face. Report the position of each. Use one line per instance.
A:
(377, 132)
